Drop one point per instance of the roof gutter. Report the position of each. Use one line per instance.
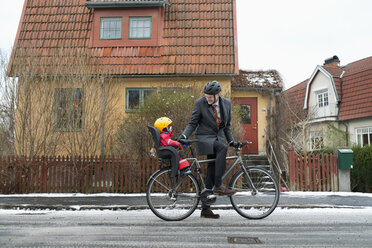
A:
(126, 4)
(138, 75)
(255, 89)
(171, 75)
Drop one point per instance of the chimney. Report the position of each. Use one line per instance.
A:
(332, 61)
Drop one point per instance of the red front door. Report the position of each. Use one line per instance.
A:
(248, 113)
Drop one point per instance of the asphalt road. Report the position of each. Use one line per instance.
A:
(335, 227)
(135, 201)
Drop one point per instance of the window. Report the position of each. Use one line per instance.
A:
(316, 141)
(68, 109)
(322, 99)
(364, 136)
(127, 27)
(245, 114)
(111, 28)
(139, 27)
(136, 97)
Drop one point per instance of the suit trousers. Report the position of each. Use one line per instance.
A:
(216, 169)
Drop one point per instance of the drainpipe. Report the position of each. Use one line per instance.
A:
(271, 114)
(339, 109)
(103, 116)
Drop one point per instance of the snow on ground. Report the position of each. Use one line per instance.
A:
(288, 194)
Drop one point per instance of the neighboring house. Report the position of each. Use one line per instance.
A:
(335, 104)
(142, 45)
(255, 92)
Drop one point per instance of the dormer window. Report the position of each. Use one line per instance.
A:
(127, 23)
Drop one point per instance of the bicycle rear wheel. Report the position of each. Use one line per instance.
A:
(172, 199)
(255, 202)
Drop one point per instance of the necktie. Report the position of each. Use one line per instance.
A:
(215, 114)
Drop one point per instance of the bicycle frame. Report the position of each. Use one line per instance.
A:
(237, 161)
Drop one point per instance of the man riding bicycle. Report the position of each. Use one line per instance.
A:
(211, 117)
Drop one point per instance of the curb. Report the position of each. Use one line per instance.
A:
(144, 207)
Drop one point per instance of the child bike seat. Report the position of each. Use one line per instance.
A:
(165, 154)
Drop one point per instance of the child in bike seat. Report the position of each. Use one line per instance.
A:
(164, 125)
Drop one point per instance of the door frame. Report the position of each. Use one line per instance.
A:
(251, 130)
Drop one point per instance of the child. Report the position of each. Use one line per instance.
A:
(164, 125)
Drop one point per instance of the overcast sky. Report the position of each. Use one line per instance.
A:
(291, 36)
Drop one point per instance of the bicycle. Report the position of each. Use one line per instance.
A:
(176, 198)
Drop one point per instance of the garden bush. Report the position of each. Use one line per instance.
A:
(361, 173)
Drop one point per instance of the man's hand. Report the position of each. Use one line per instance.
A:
(234, 144)
(185, 142)
(181, 137)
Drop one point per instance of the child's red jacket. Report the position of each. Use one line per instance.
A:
(165, 140)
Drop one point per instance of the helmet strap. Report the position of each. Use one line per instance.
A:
(215, 101)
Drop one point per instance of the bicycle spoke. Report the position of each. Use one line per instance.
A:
(172, 198)
(257, 196)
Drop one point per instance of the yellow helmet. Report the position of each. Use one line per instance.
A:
(161, 123)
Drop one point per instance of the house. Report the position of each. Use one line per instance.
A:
(138, 46)
(335, 104)
(255, 93)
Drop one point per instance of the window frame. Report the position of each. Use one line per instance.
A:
(130, 30)
(69, 127)
(322, 98)
(359, 132)
(141, 97)
(107, 18)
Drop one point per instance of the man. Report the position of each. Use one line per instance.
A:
(211, 117)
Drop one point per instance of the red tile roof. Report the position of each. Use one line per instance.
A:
(198, 39)
(336, 73)
(357, 90)
(294, 97)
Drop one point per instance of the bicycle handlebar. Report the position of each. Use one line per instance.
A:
(188, 142)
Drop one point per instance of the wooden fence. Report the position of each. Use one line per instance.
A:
(67, 175)
(312, 172)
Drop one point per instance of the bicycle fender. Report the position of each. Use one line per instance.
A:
(156, 172)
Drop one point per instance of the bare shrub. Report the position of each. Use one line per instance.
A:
(133, 136)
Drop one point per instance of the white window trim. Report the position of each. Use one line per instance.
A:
(322, 93)
(368, 133)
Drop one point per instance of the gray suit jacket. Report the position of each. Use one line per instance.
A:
(204, 121)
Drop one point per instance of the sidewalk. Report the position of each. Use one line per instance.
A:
(138, 201)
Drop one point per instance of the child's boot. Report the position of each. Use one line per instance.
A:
(184, 167)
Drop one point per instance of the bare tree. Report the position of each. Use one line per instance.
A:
(59, 108)
(8, 89)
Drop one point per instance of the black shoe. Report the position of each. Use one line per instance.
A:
(222, 190)
(207, 213)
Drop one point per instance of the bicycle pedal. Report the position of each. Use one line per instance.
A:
(209, 197)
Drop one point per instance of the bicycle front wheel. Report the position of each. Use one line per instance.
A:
(172, 199)
(257, 193)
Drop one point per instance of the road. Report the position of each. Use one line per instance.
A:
(338, 227)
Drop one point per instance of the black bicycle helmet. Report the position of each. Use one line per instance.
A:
(212, 88)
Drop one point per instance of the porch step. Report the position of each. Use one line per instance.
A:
(257, 160)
